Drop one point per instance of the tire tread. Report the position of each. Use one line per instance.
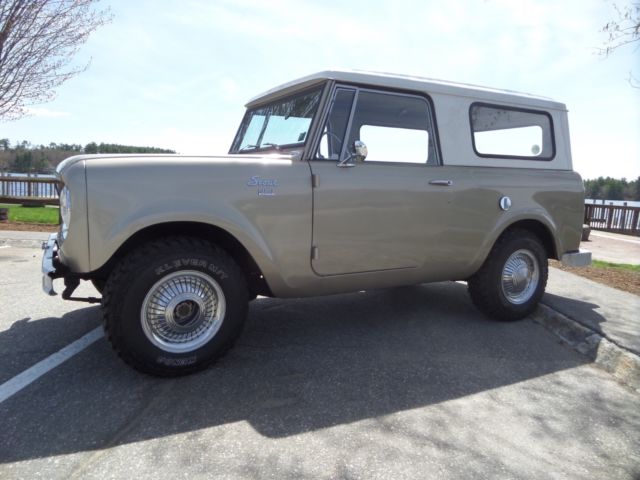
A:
(482, 288)
(127, 266)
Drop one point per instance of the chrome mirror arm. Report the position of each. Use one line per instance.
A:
(360, 152)
(344, 163)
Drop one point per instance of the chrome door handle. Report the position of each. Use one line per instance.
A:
(442, 183)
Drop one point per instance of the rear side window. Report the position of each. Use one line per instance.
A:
(506, 132)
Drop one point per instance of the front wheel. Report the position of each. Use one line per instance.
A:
(174, 306)
(512, 279)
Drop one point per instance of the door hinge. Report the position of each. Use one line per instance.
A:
(314, 253)
(315, 180)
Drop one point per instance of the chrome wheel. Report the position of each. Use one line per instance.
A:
(520, 276)
(183, 311)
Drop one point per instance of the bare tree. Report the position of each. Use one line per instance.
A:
(623, 30)
(38, 40)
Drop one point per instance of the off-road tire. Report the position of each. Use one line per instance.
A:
(486, 286)
(136, 275)
(98, 284)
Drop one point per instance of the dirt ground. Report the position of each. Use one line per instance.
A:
(28, 227)
(625, 280)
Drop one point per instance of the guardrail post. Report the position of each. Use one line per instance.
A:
(587, 214)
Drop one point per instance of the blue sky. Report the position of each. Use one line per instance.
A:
(176, 74)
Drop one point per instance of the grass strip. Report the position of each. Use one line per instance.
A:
(618, 266)
(43, 215)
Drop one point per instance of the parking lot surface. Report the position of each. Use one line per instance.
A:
(402, 383)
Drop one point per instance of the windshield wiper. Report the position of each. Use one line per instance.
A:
(274, 145)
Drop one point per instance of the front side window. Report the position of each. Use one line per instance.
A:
(395, 127)
(512, 133)
(335, 127)
(284, 123)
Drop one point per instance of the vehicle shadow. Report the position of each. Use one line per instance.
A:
(300, 365)
(621, 329)
(27, 341)
(582, 312)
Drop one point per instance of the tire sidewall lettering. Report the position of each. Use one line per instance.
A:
(171, 264)
(191, 262)
(176, 362)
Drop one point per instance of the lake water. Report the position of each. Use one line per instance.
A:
(618, 203)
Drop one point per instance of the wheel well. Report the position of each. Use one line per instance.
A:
(211, 233)
(540, 230)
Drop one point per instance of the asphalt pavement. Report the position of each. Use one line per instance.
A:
(401, 383)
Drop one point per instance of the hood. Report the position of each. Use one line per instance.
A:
(175, 158)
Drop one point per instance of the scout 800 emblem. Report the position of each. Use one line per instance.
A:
(266, 186)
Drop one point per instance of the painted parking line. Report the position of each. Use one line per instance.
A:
(30, 375)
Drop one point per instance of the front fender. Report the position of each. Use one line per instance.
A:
(128, 195)
(106, 243)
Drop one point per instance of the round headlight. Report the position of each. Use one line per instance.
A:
(65, 209)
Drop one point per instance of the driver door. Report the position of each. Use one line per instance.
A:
(381, 213)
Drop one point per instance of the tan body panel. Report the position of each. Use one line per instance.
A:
(130, 194)
(388, 216)
(75, 248)
(415, 232)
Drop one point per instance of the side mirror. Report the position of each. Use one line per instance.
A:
(360, 152)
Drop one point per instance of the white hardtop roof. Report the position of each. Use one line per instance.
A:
(406, 82)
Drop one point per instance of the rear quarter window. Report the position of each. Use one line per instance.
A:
(507, 132)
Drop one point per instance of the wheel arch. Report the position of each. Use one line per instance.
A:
(488, 286)
(211, 233)
(539, 229)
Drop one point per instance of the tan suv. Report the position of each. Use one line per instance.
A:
(336, 182)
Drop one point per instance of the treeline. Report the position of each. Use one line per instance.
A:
(116, 148)
(25, 157)
(612, 189)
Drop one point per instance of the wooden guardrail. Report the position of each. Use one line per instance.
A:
(29, 190)
(613, 218)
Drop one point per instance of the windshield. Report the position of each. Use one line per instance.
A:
(284, 123)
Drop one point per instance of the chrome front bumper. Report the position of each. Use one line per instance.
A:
(50, 248)
(581, 258)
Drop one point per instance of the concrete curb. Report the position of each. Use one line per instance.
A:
(614, 359)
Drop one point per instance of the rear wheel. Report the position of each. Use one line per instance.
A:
(174, 306)
(512, 280)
